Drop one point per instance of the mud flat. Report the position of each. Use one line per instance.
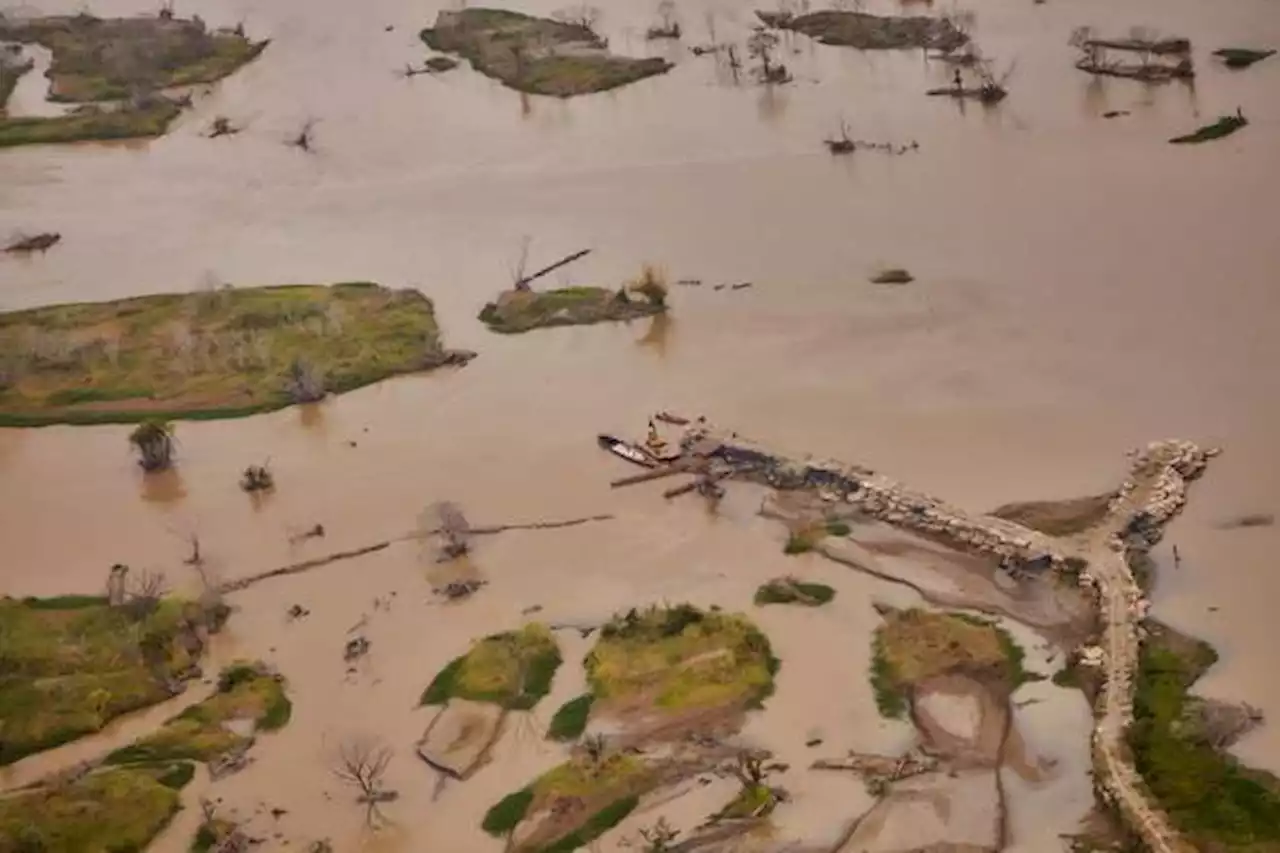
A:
(218, 353)
(536, 55)
(123, 60)
(871, 32)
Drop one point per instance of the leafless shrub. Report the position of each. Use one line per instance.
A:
(305, 382)
(143, 593)
(154, 443)
(305, 137)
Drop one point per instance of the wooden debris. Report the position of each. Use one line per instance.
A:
(37, 243)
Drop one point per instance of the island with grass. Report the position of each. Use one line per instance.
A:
(116, 70)
(538, 56)
(676, 678)
(502, 673)
(522, 309)
(70, 665)
(218, 353)
(871, 32)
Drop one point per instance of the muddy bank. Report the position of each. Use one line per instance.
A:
(872, 32)
(536, 55)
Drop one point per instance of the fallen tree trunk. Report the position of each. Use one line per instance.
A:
(567, 259)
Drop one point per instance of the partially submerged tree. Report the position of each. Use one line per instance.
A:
(652, 285)
(154, 443)
(222, 126)
(760, 46)
(257, 478)
(667, 27)
(361, 763)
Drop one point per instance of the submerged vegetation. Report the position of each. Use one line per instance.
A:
(789, 590)
(247, 693)
(914, 645)
(1224, 126)
(126, 60)
(536, 55)
(513, 669)
(217, 353)
(71, 665)
(522, 309)
(1219, 803)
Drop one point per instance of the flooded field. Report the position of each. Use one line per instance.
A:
(1080, 287)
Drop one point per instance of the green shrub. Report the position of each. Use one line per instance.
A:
(507, 813)
(570, 720)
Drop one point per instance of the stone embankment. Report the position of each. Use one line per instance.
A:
(1152, 495)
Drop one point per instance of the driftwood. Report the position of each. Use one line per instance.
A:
(307, 565)
(567, 259)
(38, 243)
(679, 466)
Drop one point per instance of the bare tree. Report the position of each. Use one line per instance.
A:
(760, 46)
(362, 763)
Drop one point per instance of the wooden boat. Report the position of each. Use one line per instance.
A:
(631, 452)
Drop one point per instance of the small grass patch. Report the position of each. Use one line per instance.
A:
(70, 665)
(117, 809)
(245, 692)
(682, 657)
(1058, 518)
(799, 542)
(1209, 795)
(536, 55)
(792, 591)
(505, 815)
(570, 719)
(513, 669)
(914, 645)
(518, 311)
(218, 353)
(838, 528)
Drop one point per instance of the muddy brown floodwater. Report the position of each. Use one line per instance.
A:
(1081, 287)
